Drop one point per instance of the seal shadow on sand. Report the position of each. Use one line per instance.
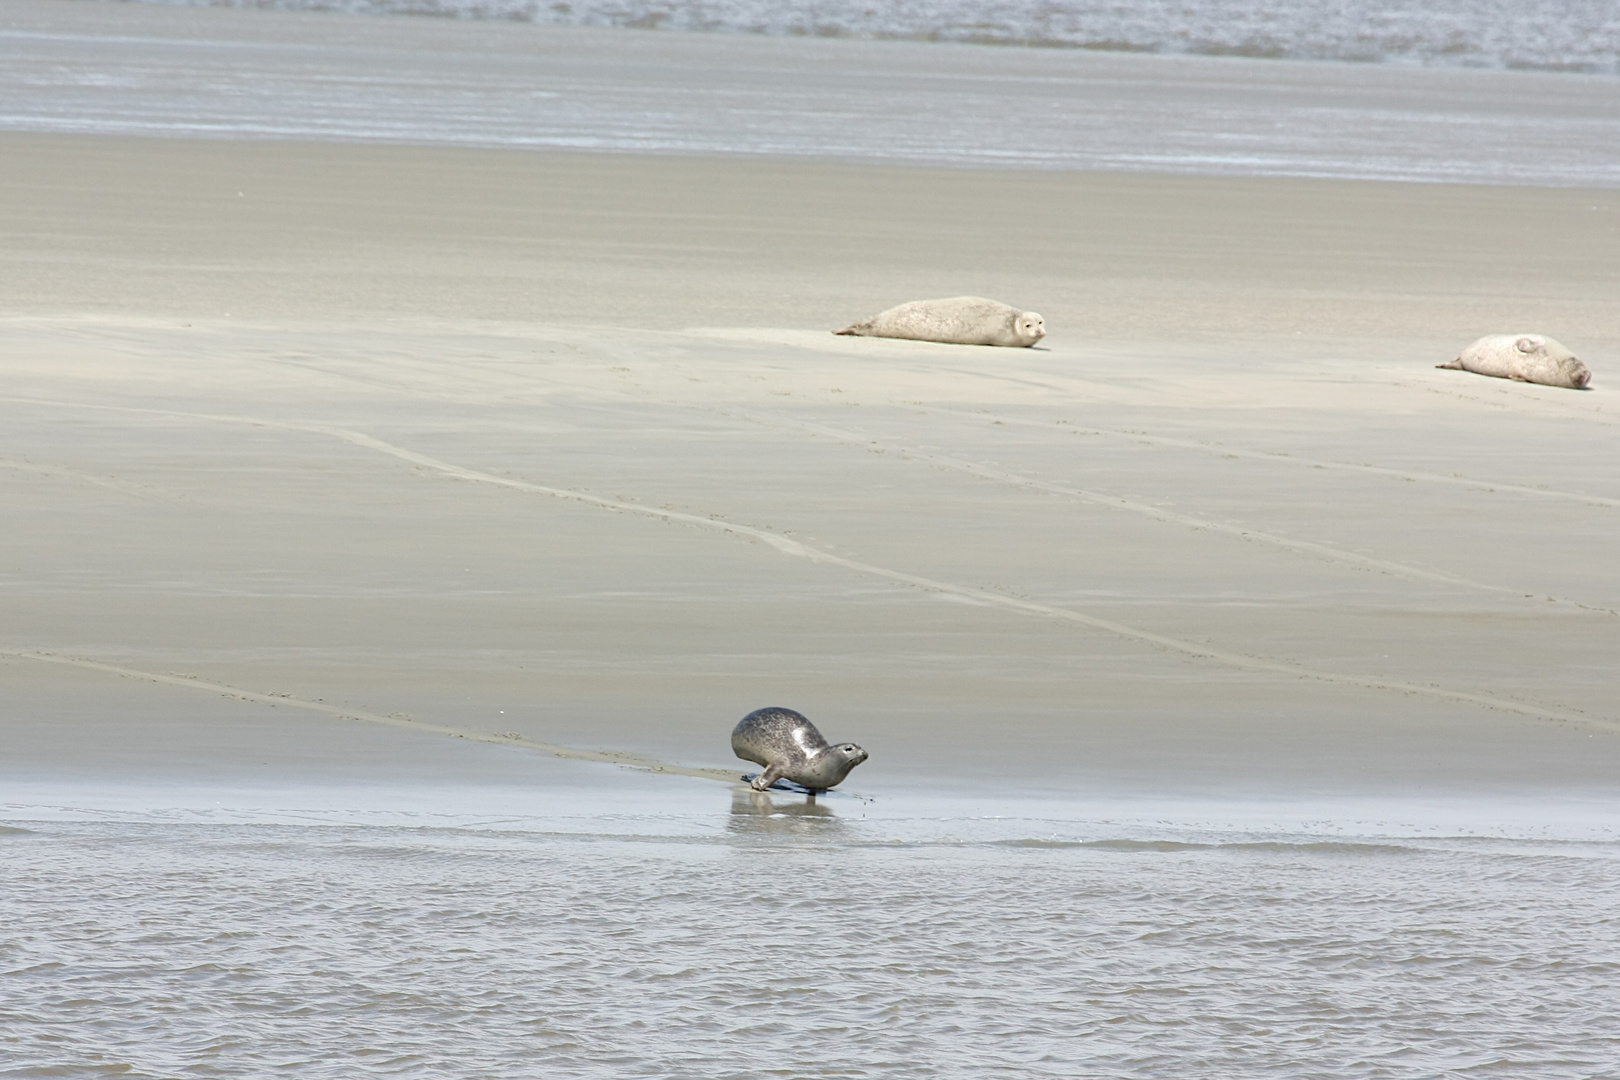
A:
(782, 814)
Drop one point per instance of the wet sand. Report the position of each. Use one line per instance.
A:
(557, 445)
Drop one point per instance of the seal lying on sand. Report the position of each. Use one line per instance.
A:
(1525, 357)
(961, 320)
(789, 745)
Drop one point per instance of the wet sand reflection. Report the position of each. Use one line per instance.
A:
(762, 813)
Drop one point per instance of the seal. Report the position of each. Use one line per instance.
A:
(960, 320)
(1533, 358)
(788, 744)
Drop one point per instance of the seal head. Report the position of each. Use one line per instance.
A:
(788, 745)
(1029, 326)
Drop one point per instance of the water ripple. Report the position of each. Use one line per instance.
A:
(234, 950)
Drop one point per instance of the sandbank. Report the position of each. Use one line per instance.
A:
(556, 445)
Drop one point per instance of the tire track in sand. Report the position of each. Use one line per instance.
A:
(799, 549)
(1222, 450)
(1116, 502)
(611, 757)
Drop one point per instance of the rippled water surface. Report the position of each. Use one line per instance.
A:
(793, 940)
(189, 72)
(1554, 35)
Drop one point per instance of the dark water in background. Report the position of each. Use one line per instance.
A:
(147, 69)
(1545, 35)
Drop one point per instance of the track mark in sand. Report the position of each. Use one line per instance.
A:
(62, 472)
(798, 549)
(635, 761)
(1115, 502)
(1221, 450)
(1505, 400)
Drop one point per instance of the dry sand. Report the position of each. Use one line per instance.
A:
(558, 445)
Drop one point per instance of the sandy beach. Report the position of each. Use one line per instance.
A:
(262, 399)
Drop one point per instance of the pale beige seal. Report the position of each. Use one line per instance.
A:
(1526, 357)
(959, 320)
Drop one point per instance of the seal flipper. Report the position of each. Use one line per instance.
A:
(771, 775)
(1455, 365)
(860, 329)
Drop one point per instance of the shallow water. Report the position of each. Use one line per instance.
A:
(743, 939)
(144, 69)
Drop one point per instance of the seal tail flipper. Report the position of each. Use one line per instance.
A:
(860, 329)
(771, 775)
(1455, 365)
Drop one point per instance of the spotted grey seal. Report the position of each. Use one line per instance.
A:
(960, 320)
(1526, 357)
(789, 745)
